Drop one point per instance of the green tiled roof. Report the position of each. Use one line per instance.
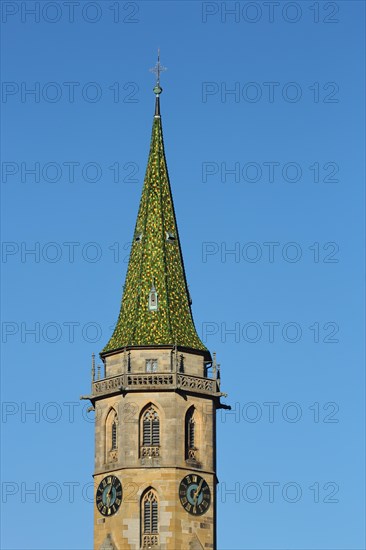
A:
(155, 260)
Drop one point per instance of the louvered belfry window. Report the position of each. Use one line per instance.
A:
(151, 428)
(150, 511)
(114, 435)
(191, 436)
(111, 436)
(191, 433)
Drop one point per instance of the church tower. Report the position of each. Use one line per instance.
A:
(156, 397)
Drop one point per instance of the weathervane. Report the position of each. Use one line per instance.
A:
(157, 70)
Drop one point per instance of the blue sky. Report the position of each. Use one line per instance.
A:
(263, 121)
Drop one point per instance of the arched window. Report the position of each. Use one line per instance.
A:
(149, 519)
(191, 435)
(111, 439)
(150, 429)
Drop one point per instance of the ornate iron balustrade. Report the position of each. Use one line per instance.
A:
(153, 382)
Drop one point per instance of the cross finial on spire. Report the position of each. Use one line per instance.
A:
(158, 69)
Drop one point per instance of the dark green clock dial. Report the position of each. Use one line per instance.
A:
(194, 494)
(109, 495)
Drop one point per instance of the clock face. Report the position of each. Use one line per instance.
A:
(194, 494)
(109, 496)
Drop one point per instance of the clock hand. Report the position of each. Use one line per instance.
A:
(108, 495)
(198, 490)
(196, 494)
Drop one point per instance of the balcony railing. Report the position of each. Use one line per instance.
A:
(154, 382)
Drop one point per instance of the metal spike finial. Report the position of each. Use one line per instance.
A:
(214, 365)
(93, 367)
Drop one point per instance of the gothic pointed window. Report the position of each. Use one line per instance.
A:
(111, 436)
(150, 428)
(149, 519)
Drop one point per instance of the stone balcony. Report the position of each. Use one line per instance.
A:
(172, 381)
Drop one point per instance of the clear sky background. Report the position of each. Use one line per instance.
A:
(283, 310)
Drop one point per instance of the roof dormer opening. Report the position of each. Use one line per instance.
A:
(153, 298)
(170, 237)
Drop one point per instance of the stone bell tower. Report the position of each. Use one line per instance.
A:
(156, 399)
